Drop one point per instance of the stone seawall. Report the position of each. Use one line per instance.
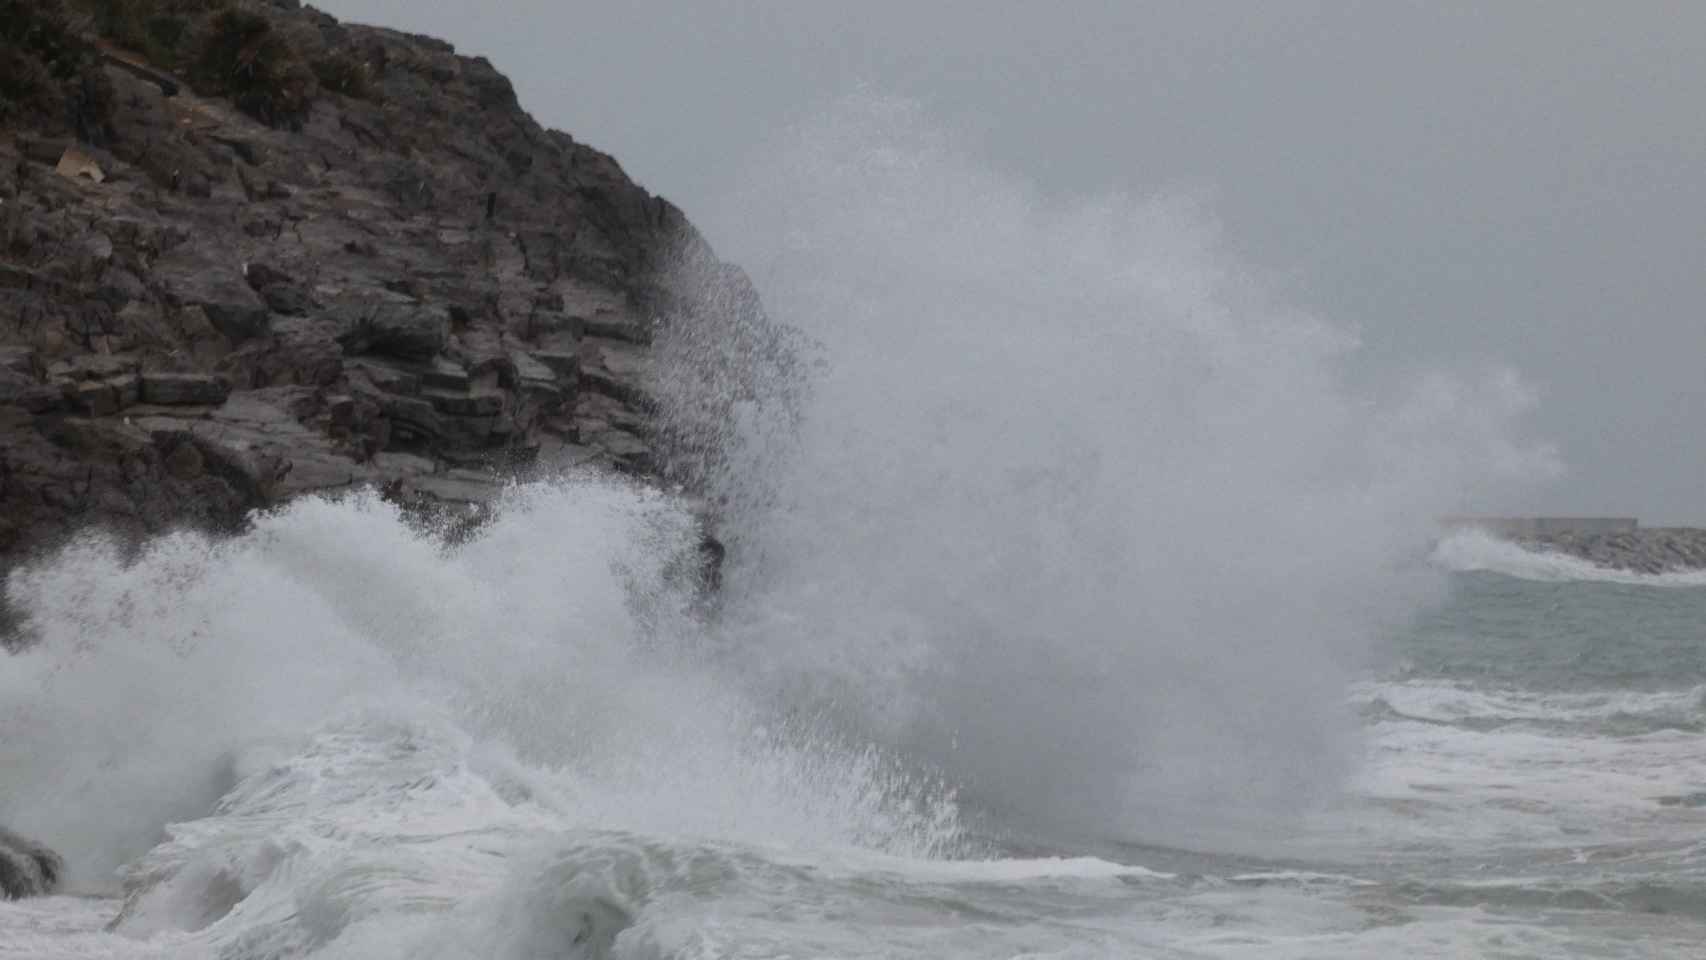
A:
(1644, 550)
(1617, 542)
(1545, 526)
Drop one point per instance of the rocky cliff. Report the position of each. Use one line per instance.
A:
(248, 252)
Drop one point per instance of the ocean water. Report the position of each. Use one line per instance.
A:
(1074, 607)
(383, 761)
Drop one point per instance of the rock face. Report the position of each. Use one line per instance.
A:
(27, 869)
(1645, 550)
(398, 279)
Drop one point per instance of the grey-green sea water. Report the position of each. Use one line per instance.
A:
(1499, 631)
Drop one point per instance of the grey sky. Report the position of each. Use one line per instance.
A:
(1463, 182)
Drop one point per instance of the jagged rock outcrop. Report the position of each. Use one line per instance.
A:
(331, 256)
(248, 252)
(27, 869)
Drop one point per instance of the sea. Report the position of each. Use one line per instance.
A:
(1079, 601)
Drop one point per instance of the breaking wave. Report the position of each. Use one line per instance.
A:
(155, 686)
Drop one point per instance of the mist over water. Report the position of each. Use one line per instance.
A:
(1074, 511)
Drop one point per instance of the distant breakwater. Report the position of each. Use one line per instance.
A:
(1645, 550)
(1616, 542)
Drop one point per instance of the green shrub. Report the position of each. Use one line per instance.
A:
(241, 56)
(223, 48)
(341, 72)
(26, 85)
(45, 31)
(48, 73)
(156, 29)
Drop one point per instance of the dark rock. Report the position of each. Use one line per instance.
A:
(479, 403)
(629, 450)
(445, 374)
(183, 388)
(194, 276)
(92, 367)
(550, 325)
(600, 380)
(127, 388)
(96, 398)
(565, 363)
(43, 150)
(18, 360)
(119, 287)
(387, 377)
(409, 330)
(263, 275)
(712, 554)
(185, 462)
(14, 386)
(27, 869)
(618, 327)
(287, 299)
(413, 421)
(533, 376)
(31, 398)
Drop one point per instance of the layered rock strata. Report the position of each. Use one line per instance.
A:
(389, 276)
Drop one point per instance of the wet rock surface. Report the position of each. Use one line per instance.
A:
(415, 287)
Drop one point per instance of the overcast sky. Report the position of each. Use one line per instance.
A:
(1464, 183)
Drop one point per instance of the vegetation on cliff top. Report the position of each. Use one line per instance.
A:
(51, 75)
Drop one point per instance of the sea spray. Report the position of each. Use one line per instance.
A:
(558, 636)
(1046, 503)
(1074, 512)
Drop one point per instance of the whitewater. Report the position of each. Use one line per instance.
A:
(1074, 606)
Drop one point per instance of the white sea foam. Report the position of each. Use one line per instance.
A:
(1541, 780)
(1454, 702)
(153, 683)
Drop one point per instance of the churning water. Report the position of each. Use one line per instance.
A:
(1074, 607)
